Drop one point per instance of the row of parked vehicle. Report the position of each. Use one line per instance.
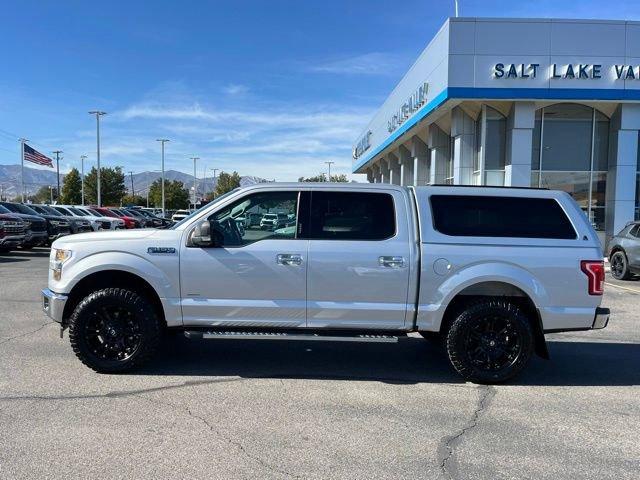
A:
(30, 225)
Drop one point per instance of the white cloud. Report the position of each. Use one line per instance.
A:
(374, 63)
(235, 89)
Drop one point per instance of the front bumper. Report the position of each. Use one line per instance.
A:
(11, 241)
(601, 318)
(35, 239)
(53, 304)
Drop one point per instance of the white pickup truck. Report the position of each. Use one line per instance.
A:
(487, 271)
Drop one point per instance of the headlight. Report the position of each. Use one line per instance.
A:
(58, 259)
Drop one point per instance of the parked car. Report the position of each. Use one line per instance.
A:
(108, 223)
(76, 224)
(83, 220)
(488, 271)
(35, 226)
(624, 252)
(98, 222)
(253, 219)
(57, 225)
(107, 212)
(144, 221)
(272, 221)
(12, 232)
(180, 215)
(127, 217)
(157, 222)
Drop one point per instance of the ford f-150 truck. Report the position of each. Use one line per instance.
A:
(487, 271)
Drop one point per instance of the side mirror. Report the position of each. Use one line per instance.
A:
(206, 235)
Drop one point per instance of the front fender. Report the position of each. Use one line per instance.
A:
(160, 280)
(432, 309)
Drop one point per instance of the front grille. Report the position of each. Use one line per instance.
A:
(13, 228)
(106, 225)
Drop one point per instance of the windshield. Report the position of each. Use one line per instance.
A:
(94, 212)
(4, 209)
(26, 209)
(77, 212)
(50, 210)
(212, 202)
(64, 211)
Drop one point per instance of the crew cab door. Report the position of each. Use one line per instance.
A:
(359, 259)
(255, 277)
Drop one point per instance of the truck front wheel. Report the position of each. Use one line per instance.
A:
(114, 330)
(490, 341)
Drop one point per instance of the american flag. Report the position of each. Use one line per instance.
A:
(34, 156)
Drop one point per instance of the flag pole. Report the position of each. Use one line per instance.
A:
(22, 140)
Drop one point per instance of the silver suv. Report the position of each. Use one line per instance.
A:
(624, 252)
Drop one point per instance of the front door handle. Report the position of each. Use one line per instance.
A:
(391, 262)
(288, 259)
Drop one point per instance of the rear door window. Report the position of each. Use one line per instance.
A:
(351, 216)
(493, 216)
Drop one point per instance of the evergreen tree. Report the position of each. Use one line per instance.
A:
(72, 188)
(176, 196)
(227, 182)
(112, 187)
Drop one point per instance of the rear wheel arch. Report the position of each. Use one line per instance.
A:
(112, 279)
(490, 290)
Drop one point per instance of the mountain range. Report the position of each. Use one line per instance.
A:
(35, 178)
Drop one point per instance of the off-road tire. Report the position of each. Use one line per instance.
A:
(622, 271)
(139, 307)
(473, 317)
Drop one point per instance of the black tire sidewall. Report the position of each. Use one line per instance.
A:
(625, 266)
(457, 334)
(138, 305)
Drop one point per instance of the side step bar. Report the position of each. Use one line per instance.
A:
(307, 337)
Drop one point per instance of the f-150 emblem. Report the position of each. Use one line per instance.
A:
(161, 250)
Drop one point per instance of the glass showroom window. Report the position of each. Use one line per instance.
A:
(448, 167)
(494, 146)
(570, 153)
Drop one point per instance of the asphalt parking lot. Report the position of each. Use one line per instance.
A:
(232, 409)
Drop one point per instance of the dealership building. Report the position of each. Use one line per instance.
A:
(518, 102)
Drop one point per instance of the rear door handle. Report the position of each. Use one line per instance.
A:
(391, 262)
(288, 259)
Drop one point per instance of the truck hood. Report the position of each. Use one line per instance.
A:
(117, 237)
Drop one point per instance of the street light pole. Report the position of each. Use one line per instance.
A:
(162, 142)
(195, 180)
(58, 152)
(213, 189)
(329, 164)
(82, 157)
(133, 192)
(98, 114)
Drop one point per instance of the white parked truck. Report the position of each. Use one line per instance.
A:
(486, 271)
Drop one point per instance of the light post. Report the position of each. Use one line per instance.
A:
(195, 180)
(162, 142)
(329, 164)
(50, 194)
(98, 114)
(213, 189)
(82, 157)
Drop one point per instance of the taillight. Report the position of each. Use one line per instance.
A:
(594, 270)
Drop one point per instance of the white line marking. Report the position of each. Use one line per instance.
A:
(621, 287)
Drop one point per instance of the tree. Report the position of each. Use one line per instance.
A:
(342, 178)
(130, 200)
(227, 182)
(112, 187)
(43, 195)
(72, 188)
(175, 195)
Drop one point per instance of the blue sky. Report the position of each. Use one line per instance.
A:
(267, 88)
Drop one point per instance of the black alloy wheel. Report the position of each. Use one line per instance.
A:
(490, 341)
(114, 330)
(619, 266)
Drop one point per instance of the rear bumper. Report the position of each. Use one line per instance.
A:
(601, 319)
(596, 321)
(53, 304)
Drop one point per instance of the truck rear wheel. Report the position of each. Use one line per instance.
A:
(114, 330)
(490, 341)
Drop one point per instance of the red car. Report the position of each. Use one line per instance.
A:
(129, 222)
